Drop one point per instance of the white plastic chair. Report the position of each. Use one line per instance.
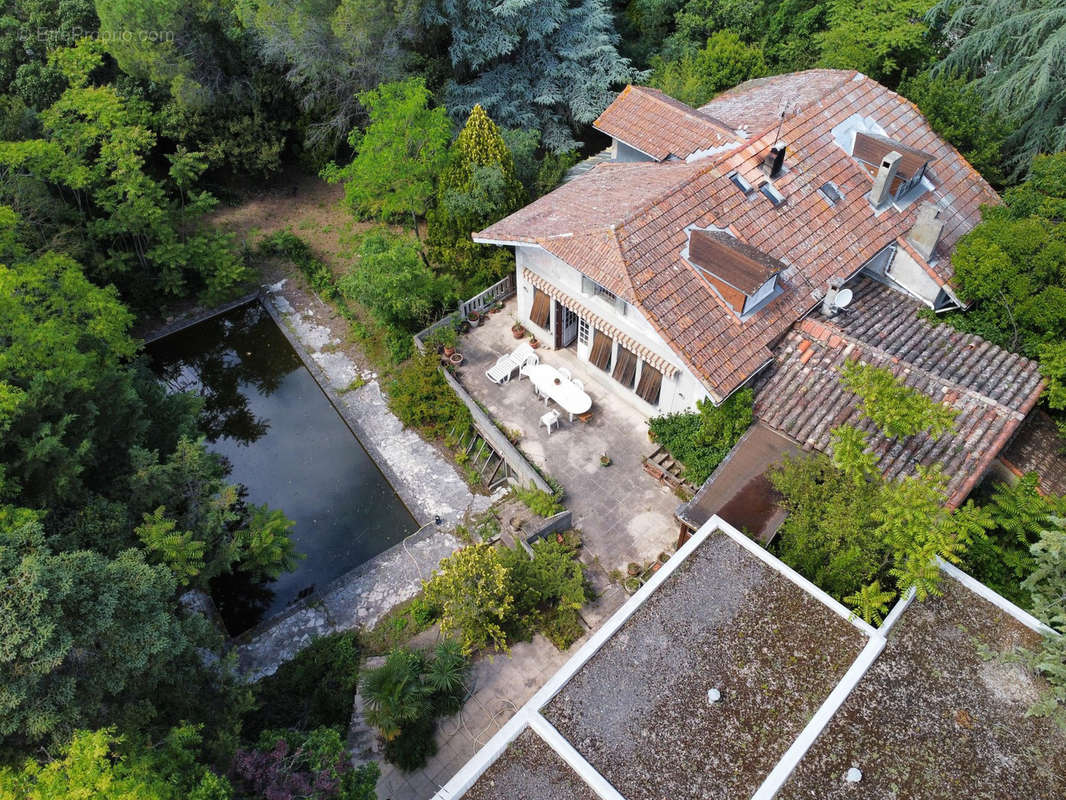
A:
(565, 373)
(502, 370)
(549, 419)
(578, 383)
(530, 361)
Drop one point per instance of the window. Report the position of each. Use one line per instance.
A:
(589, 286)
(582, 330)
(771, 193)
(603, 291)
(651, 381)
(740, 183)
(831, 193)
(601, 351)
(540, 314)
(625, 367)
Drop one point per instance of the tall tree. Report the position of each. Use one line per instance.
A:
(1014, 50)
(398, 157)
(697, 75)
(331, 50)
(552, 65)
(883, 40)
(477, 188)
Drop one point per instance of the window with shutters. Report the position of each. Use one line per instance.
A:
(601, 350)
(625, 367)
(540, 314)
(651, 382)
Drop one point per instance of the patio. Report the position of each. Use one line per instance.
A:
(623, 513)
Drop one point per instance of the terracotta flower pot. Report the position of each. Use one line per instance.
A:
(455, 359)
(449, 351)
(519, 333)
(534, 343)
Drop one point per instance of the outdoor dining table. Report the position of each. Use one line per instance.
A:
(550, 383)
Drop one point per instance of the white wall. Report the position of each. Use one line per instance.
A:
(679, 393)
(623, 153)
(909, 274)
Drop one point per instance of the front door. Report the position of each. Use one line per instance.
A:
(565, 327)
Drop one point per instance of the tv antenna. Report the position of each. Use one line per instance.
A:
(780, 122)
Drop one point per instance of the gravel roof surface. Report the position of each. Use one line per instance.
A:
(932, 719)
(638, 710)
(529, 770)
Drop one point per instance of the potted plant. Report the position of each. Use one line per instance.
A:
(633, 568)
(518, 329)
(455, 359)
(534, 342)
(605, 460)
(497, 307)
(464, 326)
(475, 318)
(445, 338)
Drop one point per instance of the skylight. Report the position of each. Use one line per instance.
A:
(739, 182)
(772, 194)
(831, 193)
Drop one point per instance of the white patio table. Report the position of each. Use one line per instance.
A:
(550, 383)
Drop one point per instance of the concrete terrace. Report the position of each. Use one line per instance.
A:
(623, 513)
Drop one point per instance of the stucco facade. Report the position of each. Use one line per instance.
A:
(679, 392)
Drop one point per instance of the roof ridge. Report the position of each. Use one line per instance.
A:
(808, 326)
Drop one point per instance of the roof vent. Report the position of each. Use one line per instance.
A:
(774, 160)
(738, 180)
(881, 192)
(713, 696)
(831, 193)
(772, 194)
(926, 231)
(853, 775)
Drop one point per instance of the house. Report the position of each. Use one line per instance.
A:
(679, 266)
(728, 676)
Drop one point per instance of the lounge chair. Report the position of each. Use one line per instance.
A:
(502, 370)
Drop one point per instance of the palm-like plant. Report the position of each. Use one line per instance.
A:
(446, 674)
(395, 693)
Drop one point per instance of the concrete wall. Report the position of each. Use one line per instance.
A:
(679, 393)
(909, 274)
(624, 154)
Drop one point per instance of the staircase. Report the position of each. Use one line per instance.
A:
(492, 470)
(662, 466)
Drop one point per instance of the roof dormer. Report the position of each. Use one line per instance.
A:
(745, 278)
(898, 170)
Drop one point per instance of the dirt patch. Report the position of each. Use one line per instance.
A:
(529, 770)
(933, 718)
(639, 710)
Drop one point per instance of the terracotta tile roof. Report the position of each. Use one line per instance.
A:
(660, 126)
(802, 396)
(624, 225)
(1039, 448)
(738, 264)
(757, 104)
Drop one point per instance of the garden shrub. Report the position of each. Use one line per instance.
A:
(472, 590)
(548, 590)
(539, 501)
(296, 250)
(414, 746)
(700, 441)
(422, 399)
(313, 690)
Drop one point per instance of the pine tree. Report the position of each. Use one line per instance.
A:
(478, 187)
(543, 64)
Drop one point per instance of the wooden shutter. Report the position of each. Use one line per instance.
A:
(540, 314)
(625, 367)
(601, 350)
(651, 381)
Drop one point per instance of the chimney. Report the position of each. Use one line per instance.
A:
(926, 231)
(882, 188)
(829, 305)
(774, 160)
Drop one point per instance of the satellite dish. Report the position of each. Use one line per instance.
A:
(843, 298)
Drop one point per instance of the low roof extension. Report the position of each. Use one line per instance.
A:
(801, 694)
(626, 225)
(992, 389)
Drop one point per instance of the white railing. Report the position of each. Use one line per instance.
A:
(500, 290)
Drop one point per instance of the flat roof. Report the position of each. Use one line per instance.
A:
(932, 718)
(529, 769)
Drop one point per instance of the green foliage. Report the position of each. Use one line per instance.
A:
(99, 764)
(895, 408)
(955, 110)
(312, 690)
(699, 442)
(879, 39)
(540, 502)
(850, 453)
(422, 399)
(1012, 49)
(405, 696)
(398, 157)
(697, 75)
(1047, 588)
(296, 250)
(871, 602)
(478, 187)
(393, 282)
(548, 590)
(399, 624)
(471, 589)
